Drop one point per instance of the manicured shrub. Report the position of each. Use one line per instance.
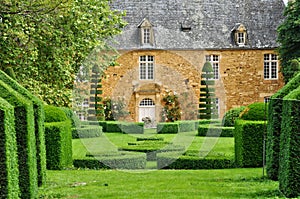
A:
(39, 118)
(274, 127)
(132, 128)
(89, 131)
(231, 115)
(9, 173)
(167, 128)
(289, 169)
(113, 127)
(26, 142)
(119, 160)
(58, 145)
(54, 114)
(211, 121)
(75, 122)
(170, 161)
(215, 131)
(187, 126)
(248, 137)
(255, 112)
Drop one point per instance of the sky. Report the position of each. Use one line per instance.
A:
(285, 1)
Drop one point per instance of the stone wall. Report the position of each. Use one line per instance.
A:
(241, 81)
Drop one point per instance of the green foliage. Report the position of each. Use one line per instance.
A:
(114, 109)
(26, 141)
(207, 106)
(9, 172)
(58, 145)
(167, 127)
(215, 131)
(171, 107)
(167, 161)
(256, 112)
(274, 127)
(122, 127)
(248, 136)
(89, 131)
(187, 126)
(10, 72)
(54, 114)
(45, 42)
(39, 118)
(120, 160)
(289, 170)
(289, 39)
(231, 115)
(75, 122)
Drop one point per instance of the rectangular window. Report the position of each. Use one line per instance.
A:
(215, 62)
(270, 66)
(241, 38)
(266, 99)
(146, 36)
(218, 106)
(146, 67)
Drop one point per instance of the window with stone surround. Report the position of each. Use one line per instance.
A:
(270, 66)
(146, 65)
(146, 31)
(239, 33)
(215, 62)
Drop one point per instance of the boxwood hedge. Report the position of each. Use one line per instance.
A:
(86, 131)
(120, 160)
(248, 137)
(173, 161)
(289, 162)
(26, 142)
(39, 118)
(168, 128)
(215, 131)
(58, 145)
(274, 127)
(9, 173)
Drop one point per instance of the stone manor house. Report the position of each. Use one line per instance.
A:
(166, 43)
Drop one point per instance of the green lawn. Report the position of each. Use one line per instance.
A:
(110, 142)
(226, 183)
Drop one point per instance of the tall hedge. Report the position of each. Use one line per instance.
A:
(58, 145)
(248, 137)
(9, 173)
(289, 162)
(39, 117)
(26, 142)
(274, 127)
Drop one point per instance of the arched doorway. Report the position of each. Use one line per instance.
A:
(147, 109)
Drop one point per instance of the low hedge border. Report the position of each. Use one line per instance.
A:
(122, 160)
(215, 131)
(89, 131)
(121, 127)
(168, 161)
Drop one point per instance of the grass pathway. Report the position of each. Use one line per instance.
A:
(227, 183)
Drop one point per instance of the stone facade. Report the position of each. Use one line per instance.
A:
(179, 34)
(241, 79)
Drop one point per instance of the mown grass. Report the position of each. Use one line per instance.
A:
(95, 184)
(194, 145)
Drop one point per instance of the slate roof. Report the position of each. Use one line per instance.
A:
(211, 23)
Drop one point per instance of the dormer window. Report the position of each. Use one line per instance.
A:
(146, 32)
(239, 33)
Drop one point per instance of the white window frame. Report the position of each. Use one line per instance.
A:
(270, 66)
(215, 63)
(147, 102)
(241, 38)
(146, 36)
(146, 67)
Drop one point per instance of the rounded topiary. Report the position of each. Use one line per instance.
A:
(54, 114)
(231, 115)
(257, 111)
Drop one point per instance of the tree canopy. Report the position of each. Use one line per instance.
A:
(45, 42)
(289, 39)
